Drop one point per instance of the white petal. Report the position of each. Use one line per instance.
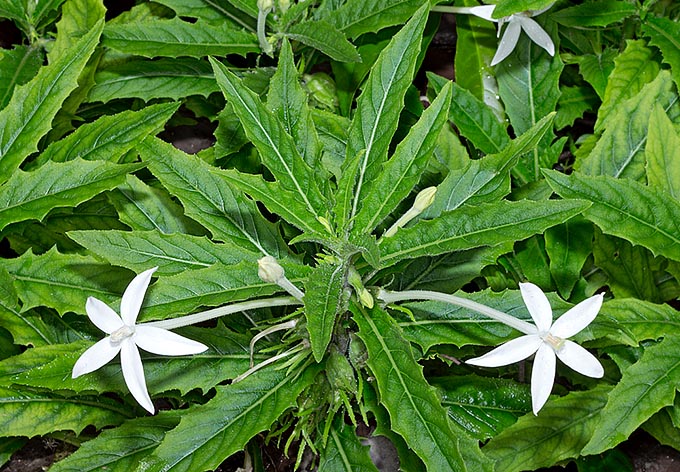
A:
(483, 11)
(164, 342)
(95, 357)
(102, 315)
(542, 377)
(577, 318)
(537, 34)
(538, 305)
(580, 360)
(134, 296)
(133, 372)
(508, 42)
(510, 352)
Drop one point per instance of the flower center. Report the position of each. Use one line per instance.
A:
(122, 333)
(555, 342)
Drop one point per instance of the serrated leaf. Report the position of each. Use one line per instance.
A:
(601, 13)
(323, 36)
(28, 115)
(474, 226)
(344, 452)
(120, 448)
(645, 388)
(174, 38)
(146, 79)
(509, 7)
(20, 407)
(625, 208)
(665, 34)
(275, 146)
(473, 118)
(31, 195)
(171, 253)
(377, 114)
(662, 153)
(561, 430)
(596, 68)
(356, 17)
(207, 198)
(568, 246)
(324, 298)
(77, 18)
(210, 11)
(415, 411)
(17, 66)
(620, 150)
(573, 103)
(208, 434)
(405, 168)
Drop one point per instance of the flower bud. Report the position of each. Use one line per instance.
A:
(269, 270)
(424, 199)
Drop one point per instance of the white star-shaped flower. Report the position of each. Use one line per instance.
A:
(548, 342)
(125, 337)
(516, 23)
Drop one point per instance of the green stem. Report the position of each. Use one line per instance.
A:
(520, 325)
(222, 311)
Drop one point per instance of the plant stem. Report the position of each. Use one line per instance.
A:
(520, 325)
(222, 311)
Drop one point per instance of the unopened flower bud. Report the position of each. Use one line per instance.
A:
(424, 199)
(269, 270)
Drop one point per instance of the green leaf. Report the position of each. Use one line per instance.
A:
(625, 208)
(213, 12)
(473, 226)
(146, 79)
(561, 430)
(662, 153)
(377, 114)
(28, 115)
(405, 168)
(344, 452)
(31, 195)
(600, 13)
(208, 434)
(661, 427)
(171, 253)
(173, 38)
(509, 7)
(645, 388)
(207, 198)
(77, 18)
(620, 150)
(324, 298)
(596, 68)
(323, 36)
(356, 17)
(17, 66)
(120, 448)
(275, 146)
(573, 103)
(9, 446)
(568, 247)
(665, 34)
(415, 410)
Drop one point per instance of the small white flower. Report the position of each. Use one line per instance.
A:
(125, 337)
(548, 341)
(516, 23)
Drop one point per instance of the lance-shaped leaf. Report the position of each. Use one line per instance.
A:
(665, 34)
(344, 452)
(474, 226)
(275, 146)
(568, 246)
(510, 7)
(20, 407)
(323, 36)
(620, 150)
(17, 66)
(208, 434)
(414, 408)
(403, 171)
(171, 253)
(645, 387)
(208, 199)
(324, 298)
(31, 195)
(662, 153)
(120, 448)
(28, 115)
(216, 12)
(175, 37)
(377, 114)
(558, 433)
(601, 13)
(625, 208)
(357, 17)
(109, 137)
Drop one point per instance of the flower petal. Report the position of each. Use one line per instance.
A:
(510, 352)
(164, 342)
(133, 372)
(483, 11)
(577, 317)
(542, 377)
(134, 296)
(102, 315)
(537, 34)
(98, 355)
(508, 42)
(538, 305)
(580, 360)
